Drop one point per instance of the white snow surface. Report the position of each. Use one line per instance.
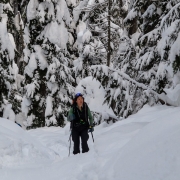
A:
(144, 146)
(18, 148)
(9, 113)
(7, 40)
(57, 34)
(31, 9)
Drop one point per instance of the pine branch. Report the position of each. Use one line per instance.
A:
(100, 19)
(91, 7)
(98, 24)
(89, 27)
(162, 97)
(100, 47)
(103, 37)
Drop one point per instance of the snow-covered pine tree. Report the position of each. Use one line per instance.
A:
(47, 74)
(81, 45)
(120, 90)
(114, 80)
(9, 97)
(90, 18)
(155, 57)
(103, 22)
(8, 9)
(12, 28)
(144, 66)
(156, 50)
(19, 7)
(93, 54)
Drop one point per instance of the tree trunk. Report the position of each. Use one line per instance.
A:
(15, 6)
(109, 34)
(19, 36)
(21, 46)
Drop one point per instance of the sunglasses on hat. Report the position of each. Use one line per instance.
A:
(78, 94)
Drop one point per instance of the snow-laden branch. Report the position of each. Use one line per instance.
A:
(102, 37)
(173, 13)
(92, 30)
(100, 47)
(98, 24)
(100, 19)
(91, 7)
(149, 91)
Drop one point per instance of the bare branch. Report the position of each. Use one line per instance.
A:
(100, 19)
(102, 37)
(100, 47)
(99, 56)
(98, 24)
(89, 27)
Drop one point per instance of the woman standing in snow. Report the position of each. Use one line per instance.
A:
(81, 121)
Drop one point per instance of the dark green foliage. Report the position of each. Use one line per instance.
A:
(7, 56)
(38, 105)
(176, 64)
(48, 87)
(15, 99)
(161, 85)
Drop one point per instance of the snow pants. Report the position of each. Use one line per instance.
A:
(80, 132)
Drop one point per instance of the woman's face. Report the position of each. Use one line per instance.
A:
(79, 101)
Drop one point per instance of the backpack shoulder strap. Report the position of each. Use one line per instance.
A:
(73, 110)
(86, 112)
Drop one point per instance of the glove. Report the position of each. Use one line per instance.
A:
(91, 129)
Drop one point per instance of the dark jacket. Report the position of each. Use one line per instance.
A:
(80, 117)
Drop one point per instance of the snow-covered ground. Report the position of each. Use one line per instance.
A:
(143, 147)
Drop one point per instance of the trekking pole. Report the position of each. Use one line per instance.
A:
(71, 128)
(70, 142)
(92, 136)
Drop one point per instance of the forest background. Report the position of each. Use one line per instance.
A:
(131, 48)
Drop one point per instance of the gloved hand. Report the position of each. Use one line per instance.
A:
(91, 129)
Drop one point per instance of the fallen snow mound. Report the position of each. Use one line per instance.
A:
(145, 146)
(17, 147)
(153, 153)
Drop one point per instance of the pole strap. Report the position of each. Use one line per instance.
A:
(70, 142)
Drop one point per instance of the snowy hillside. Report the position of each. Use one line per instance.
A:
(18, 148)
(145, 146)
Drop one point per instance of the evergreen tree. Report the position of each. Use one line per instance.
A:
(103, 22)
(79, 39)
(159, 33)
(47, 74)
(89, 42)
(8, 69)
(19, 7)
(154, 52)
(13, 27)
(147, 63)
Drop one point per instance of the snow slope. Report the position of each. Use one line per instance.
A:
(18, 148)
(143, 147)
